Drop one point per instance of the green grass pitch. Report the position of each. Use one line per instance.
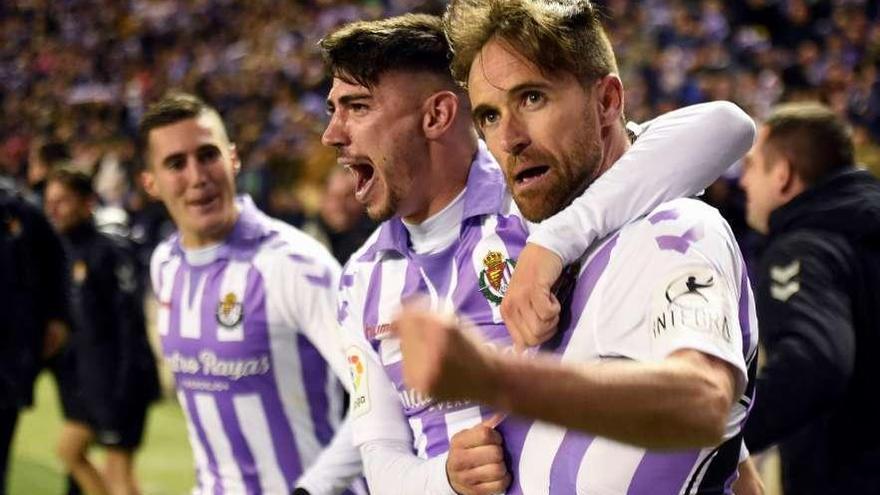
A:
(164, 462)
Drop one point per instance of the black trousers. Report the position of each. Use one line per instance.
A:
(8, 420)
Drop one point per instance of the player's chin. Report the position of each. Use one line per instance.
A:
(536, 207)
(380, 208)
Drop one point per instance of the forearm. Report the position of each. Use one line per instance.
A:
(391, 468)
(337, 466)
(671, 404)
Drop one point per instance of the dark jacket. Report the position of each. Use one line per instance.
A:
(114, 362)
(818, 298)
(33, 290)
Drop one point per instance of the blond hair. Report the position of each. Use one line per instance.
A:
(555, 35)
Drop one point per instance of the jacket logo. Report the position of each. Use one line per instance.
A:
(495, 277)
(229, 311)
(79, 272)
(782, 281)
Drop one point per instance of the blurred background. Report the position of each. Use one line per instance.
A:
(76, 75)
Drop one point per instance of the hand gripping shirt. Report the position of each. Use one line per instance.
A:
(248, 333)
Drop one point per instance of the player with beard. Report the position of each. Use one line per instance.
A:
(451, 231)
(651, 374)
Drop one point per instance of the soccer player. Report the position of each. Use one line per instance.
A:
(107, 377)
(650, 380)
(403, 127)
(247, 313)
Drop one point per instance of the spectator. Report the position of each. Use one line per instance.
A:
(342, 220)
(109, 376)
(34, 290)
(818, 300)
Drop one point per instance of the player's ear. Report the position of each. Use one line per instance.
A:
(439, 112)
(609, 97)
(148, 181)
(787, 180)
(236, 161)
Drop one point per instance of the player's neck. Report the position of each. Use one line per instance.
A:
(439, 230)
(614, 147)
(446, 179)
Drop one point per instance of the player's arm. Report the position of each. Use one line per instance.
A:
(384, 437)
(680, 402)
(660, 387)
(678, 155)
(474, 464)
(307, 287)
(379, 429)
(313, 308)
(322, 477)
(808, 334)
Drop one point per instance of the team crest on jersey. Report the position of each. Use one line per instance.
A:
(229, 311)
(13, 226)
(495, 276)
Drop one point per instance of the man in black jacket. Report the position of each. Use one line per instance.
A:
(33, 292)
(818, 298)
(110, 373)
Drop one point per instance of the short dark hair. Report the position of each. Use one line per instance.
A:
(170, 109)
(52, 153)
(75, 180)
(361, 52)
(555, 35)
(812, 137)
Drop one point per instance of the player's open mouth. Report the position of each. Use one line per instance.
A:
(364, 173)
(531, 174)
(205, 202)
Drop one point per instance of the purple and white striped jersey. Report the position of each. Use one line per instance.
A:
(246, 327)
(468, 277)
(672, 280)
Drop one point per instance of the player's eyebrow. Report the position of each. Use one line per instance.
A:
(348, 99)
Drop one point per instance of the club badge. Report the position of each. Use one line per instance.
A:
(495, 276)
(13, 226)
(229, 311)
(79, 271)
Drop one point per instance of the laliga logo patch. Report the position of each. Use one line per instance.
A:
(229, 311)
(496, 276)
(357, 370)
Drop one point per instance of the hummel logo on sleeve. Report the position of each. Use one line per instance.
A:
(782, 280)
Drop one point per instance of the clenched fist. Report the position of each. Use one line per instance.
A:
(530, 309)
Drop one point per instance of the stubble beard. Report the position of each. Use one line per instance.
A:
(570, 179)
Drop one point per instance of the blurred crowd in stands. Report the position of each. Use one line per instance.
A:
(76, 75)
